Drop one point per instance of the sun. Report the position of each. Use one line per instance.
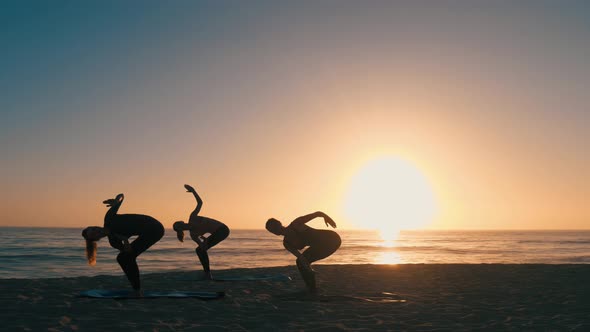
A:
(390, 194)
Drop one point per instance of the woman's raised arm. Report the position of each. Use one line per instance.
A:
(190, 189)
(114, 204)
(309, 217)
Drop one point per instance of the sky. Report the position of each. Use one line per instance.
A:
(270, 108)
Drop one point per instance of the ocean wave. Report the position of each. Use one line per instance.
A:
(44, 256)
(33, 253)
(579, 259)
(434, 249)
(555, 242)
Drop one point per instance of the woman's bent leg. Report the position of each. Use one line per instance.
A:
(204, 258)
(219, 235)
(308, 275)
(128, 261)
(129, 265)
(144, 241)
(327, 247)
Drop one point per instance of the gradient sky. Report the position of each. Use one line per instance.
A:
(270, 108)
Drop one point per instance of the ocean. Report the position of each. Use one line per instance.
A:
(59, 252)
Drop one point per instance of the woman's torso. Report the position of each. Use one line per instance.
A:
(201, 225)
(132, 224)
(301, 236)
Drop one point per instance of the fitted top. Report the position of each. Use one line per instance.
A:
(131, 224)
(127, 225)
(303, 236)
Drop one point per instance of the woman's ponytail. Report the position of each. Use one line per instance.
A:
(90, 249)
(91, 252)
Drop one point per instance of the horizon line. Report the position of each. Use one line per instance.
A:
(361, 229)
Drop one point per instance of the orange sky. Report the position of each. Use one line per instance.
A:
(273, 112)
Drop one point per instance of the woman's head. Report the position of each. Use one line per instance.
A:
(91, 235)
(178, 227)
(274, 226)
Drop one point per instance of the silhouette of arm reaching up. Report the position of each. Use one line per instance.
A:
(114, 204)
(190, 189)
(116, 241)
(309, 217)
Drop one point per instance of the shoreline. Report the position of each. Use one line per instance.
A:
(264, 270)
(437, 297)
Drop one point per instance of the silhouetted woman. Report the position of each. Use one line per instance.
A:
(320, 243)
(199, 226)
(118, 228)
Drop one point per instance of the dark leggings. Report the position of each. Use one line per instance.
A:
(330, 242)
(219, 235)
(128, 260)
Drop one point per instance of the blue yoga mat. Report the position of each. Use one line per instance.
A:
(126, 294)
(270, 277)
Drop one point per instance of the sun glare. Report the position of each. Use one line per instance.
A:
(390, 194)
(388, 258)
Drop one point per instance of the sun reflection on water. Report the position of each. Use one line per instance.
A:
(389, 237)
(389, 257)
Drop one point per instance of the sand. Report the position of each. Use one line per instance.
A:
(437, 298)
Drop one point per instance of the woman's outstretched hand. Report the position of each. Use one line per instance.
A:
(109, 202)
(114, 201)
(329, 222)
(189, 189)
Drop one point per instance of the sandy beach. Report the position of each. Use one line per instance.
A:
(353, 298)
